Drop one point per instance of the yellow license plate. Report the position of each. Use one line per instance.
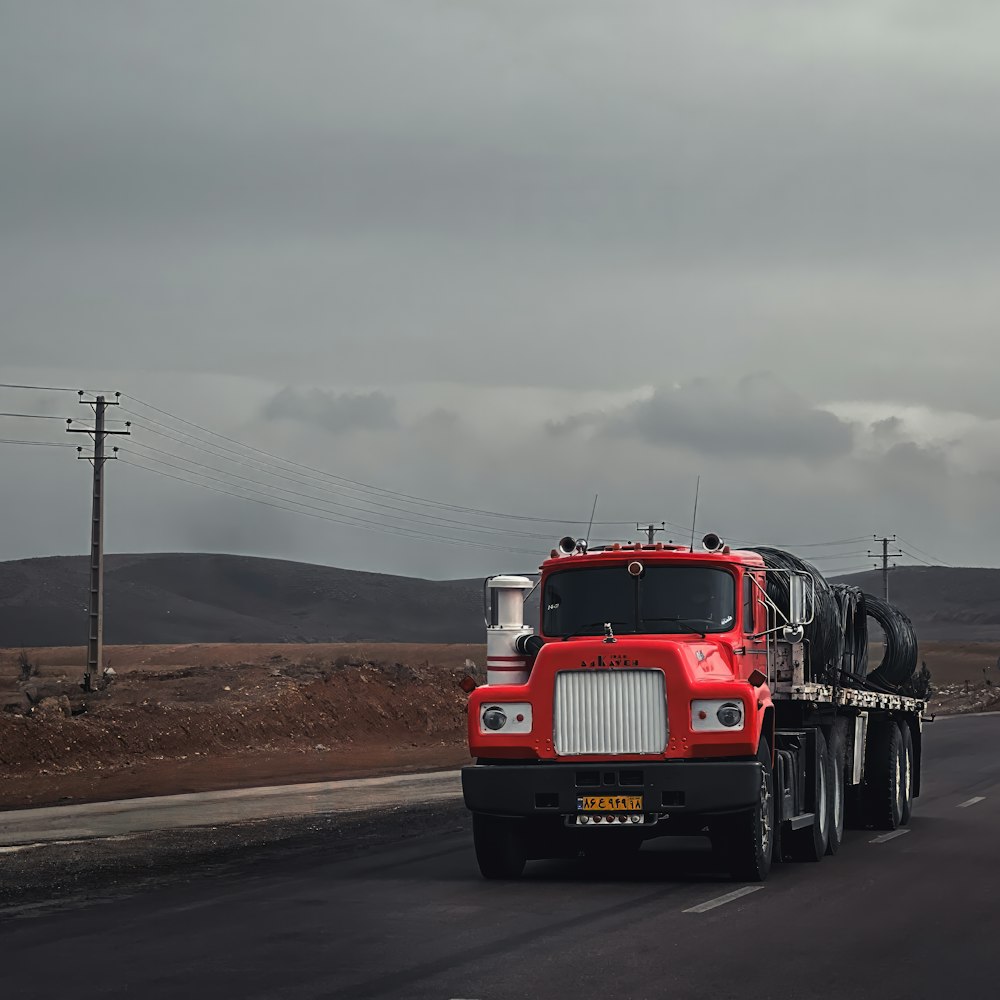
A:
(609, 803)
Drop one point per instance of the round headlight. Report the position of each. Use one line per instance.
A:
(730, 714)
(494, 718)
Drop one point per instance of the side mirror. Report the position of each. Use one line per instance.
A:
(797, 611)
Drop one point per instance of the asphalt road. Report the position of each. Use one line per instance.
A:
(914, 915)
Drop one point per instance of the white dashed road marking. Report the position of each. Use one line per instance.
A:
(888, 836)
(722, 900)
(971, 802)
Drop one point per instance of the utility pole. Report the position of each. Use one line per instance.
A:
(651, 529)
(886, 556)
(95, 606)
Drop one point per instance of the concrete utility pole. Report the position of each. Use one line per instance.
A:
(886, 556)
(651, 529)
(95, 607)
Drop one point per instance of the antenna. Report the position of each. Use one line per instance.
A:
(593, 511)
(694, 516)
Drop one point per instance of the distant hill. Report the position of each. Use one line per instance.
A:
(185, 598)
(943, 602)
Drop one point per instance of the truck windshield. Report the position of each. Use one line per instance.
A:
(664, 599)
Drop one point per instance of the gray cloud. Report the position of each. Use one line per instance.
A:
(334, 412)
(446, 178)
(560, 215)
(887, 429)
(755, 416)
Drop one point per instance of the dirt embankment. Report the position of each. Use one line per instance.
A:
(195, 718)
(965, 676)
(202, 717)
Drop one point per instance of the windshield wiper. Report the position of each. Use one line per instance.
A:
(600, 624)
(686, 622)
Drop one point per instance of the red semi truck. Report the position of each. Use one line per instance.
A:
(673, 691)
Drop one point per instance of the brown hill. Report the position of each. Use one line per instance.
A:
(943, 602)
(185, 598)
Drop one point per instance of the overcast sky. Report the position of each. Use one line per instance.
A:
(504, 255)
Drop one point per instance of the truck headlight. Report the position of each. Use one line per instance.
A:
(507, 718)
(716, 715)
(730, 714)
(494, 718)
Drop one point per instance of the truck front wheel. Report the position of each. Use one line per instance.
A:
(745, 841)
(500, 843)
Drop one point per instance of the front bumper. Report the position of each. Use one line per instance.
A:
(676, 787)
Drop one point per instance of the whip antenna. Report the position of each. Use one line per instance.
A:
(593, 511)
(694, 516)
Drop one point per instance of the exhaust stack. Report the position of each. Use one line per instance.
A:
(504, 664)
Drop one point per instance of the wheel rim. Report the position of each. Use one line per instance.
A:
(907, 777)
(765, 816)
(899, 779)
(838, 804)
(821, 797)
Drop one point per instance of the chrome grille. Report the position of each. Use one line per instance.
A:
(610, 712)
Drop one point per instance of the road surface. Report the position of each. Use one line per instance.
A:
(907, 916)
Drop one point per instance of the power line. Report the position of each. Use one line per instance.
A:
(838, 558)
(244, 463)
(917, 548)
(804, 545)
(435, 522)
(32, 416)
(910, 555)
(40, 388)
(56, 388)
(423, 501)
(41, 444)
(325, 516)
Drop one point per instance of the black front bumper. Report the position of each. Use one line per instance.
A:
(675, 787)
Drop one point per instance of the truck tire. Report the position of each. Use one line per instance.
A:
(810, 843)
(883, 783)
(837, 747)
(906, 805)
(745, 841)
(500, 846)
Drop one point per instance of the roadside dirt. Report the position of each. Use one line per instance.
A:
(965, 676)
(212, 716)
(199, 718)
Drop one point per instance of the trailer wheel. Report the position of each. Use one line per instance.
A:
(837, 748)
(500, 846)
(884, 776)
(745, 841)
(811, 842)
(906, 803)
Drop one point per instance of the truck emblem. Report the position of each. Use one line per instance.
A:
(600, 662)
